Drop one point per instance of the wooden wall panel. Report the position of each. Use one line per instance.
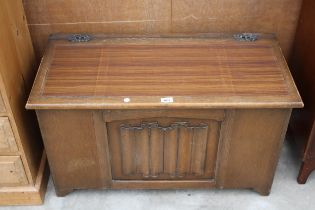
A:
(302, 65)
(162, 17)
(96, 16)
(76, 11)
(265, 16)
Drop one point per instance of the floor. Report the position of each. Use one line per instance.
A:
(286, 194)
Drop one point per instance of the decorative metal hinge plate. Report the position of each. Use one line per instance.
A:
(79, 38)
(246, 37)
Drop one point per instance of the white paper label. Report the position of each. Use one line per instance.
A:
(126, 100)
(167, 100)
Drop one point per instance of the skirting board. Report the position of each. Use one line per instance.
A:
(31, 194)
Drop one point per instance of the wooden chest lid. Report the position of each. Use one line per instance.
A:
(204, 71)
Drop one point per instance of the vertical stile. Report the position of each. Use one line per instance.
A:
(170, 150)
(142, 150)
(127, 137)
(212, 146)
(199, 150)
(156, 150)
(184, 150)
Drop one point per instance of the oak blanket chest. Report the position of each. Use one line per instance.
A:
(206, 111)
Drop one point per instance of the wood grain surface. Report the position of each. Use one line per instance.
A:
(162, 17)
(163, 148)
(17, 73)
(83, 148)
(32, 194)
(7, 140)
(209, 72)
(21, 149)
(2, 107)
(303, 66)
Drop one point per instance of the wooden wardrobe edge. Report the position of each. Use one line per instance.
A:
(31, 194)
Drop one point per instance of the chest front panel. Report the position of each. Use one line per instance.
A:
(163, 148)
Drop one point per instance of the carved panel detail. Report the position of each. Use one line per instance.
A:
(149, 150)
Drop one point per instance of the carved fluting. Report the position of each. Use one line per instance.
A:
(151, 150)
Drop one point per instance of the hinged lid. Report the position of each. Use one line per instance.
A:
(204, 71)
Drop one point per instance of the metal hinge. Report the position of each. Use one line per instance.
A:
(247, 37)
(79, 38)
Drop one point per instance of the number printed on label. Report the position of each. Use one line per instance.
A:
(167, 100)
